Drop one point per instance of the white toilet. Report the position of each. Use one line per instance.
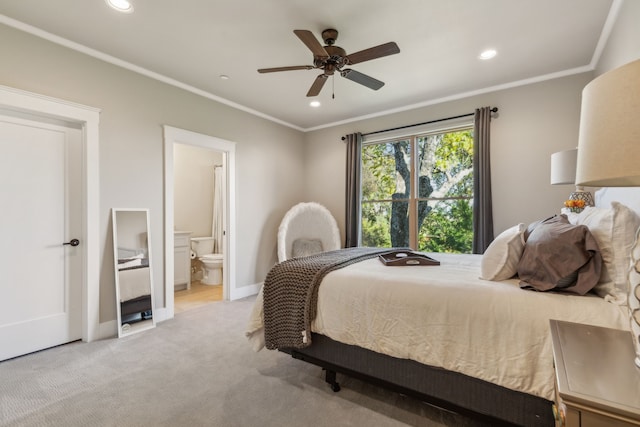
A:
(212, 263)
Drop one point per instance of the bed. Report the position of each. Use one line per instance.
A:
(477, 346)
(134, 285)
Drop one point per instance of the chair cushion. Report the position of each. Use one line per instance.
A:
(306, 247)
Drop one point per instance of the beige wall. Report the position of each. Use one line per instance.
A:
(193, 188)
(533, 121)
(275, 168)
(133, 110)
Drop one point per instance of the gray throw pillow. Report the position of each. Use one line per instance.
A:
(306, 247)
(560, 256)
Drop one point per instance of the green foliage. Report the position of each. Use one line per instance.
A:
(375, 220)
(444, 164)
(448, 228)
(379, 178)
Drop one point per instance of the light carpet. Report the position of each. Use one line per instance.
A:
(194, 370)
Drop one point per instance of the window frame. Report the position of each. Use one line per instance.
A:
(412, 137)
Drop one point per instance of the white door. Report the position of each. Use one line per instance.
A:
(40, 210)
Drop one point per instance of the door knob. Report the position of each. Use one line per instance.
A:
(72, 242)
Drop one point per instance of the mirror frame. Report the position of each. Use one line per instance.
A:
(125, 329)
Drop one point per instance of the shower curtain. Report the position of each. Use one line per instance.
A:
(216, 225)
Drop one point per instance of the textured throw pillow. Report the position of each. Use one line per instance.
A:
(560, 256)
(305, 247)
(500, 260)
(614, 229)
(533, 225)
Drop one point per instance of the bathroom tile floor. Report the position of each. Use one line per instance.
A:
(198, 295)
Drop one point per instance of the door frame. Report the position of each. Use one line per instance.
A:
(173, 136)
(48, 109)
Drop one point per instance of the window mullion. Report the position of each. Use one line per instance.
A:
(413, 205)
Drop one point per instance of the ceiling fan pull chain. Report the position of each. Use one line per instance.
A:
(333, 86)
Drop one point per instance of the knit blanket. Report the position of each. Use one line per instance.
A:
(291, 293)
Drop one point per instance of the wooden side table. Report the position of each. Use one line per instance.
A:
(597, 382)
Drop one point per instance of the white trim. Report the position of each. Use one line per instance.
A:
(135, 68)
(173, 136)
(247, 291)
(444, 126)
(462, 95)
(89, 119)
(612, 17)
(604, 36)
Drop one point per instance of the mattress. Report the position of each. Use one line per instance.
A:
(133, 283)
(445, 316)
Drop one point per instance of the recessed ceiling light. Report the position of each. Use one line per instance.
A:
(488, 54)
(224, 77)
(120, 5)
(314, 104)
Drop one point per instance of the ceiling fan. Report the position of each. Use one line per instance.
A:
(331, 58)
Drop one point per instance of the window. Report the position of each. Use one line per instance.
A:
(417, 191)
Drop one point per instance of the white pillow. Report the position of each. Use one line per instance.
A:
(614, 229)
(500, 260)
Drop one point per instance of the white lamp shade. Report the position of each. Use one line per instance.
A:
(563, 167)
(609, 142)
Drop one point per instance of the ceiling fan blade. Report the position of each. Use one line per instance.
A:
(386, 49)
(312, 43)
(317, 85)
(294, 67)
(363, 79)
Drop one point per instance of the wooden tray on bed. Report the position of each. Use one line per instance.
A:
(404, 257)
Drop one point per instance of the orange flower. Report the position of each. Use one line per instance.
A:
(569, 203)
(578, 203)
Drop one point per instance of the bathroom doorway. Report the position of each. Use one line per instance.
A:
(198, 205)
(175, 140)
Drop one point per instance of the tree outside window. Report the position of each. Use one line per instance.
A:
(418, 191)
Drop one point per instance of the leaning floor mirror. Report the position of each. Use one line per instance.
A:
(134, 292)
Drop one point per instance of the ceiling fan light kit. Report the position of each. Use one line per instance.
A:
(331, 58)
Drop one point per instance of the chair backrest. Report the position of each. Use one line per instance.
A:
(307, 228)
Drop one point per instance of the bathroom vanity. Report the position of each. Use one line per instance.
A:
(182, 260)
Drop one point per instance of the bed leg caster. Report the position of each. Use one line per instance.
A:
(330, 377)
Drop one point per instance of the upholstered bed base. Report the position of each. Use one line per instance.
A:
(135, 305)
(450, 390)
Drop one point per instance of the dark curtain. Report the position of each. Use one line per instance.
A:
(482, 203)
(352, 202)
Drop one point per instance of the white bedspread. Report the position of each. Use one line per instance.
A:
(133, 283)
(445, 316)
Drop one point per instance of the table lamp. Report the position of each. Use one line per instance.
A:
(609, 154)
(563, 171)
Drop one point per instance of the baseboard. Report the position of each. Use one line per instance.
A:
(245, 291)
(160, 314)
(108, 330)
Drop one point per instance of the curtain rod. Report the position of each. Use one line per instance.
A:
(493, 110)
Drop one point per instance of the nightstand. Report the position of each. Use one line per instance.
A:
(597, 382)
